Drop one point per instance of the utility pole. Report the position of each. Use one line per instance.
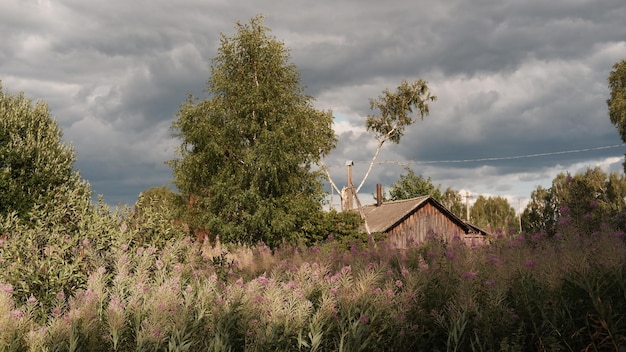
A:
(349, 194)
(467, 212)
(519, 213)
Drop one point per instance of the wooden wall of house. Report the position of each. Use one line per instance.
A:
(418, 225)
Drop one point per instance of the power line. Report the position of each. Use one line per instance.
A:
(572, 151)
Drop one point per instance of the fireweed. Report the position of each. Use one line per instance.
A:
(131, 290)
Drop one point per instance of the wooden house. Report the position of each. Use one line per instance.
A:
(411, 221)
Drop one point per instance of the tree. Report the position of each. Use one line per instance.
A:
(34, 162)
(453, 201)
(494, 213)
(248, 151)
(586, 202)
(541, 212)
(395, 114)
(412, 185)
(617, 101)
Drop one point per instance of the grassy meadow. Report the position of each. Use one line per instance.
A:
(94, 281)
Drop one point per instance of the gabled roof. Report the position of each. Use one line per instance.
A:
(384, 217)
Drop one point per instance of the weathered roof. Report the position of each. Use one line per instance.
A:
(381, 218)
(384, 217)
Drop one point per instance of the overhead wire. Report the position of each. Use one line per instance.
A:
(571, 151)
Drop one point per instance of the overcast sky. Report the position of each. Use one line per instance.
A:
(513, 79)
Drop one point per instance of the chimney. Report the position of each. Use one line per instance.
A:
(379, 194)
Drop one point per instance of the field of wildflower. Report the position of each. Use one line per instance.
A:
(129, 284)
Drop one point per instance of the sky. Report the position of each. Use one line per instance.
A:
(521, 85)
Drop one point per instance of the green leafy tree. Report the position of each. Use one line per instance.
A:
(541, 212)
(395, 114)
(587, 202)
(493, 213)
(52, 233)
(453, 201)
(34, 162)
(617, 100)
(411, 185)
(248, 151)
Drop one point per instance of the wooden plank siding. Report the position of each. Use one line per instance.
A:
(411, 221)
(418, 225)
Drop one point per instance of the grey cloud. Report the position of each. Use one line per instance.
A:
(513, 78)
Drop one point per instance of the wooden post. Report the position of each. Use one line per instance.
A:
(467, 206)
(350, 187)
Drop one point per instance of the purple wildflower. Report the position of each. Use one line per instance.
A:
(530, 263)
(364, 319)
(6, 288)
(468, 275)
(493, 260)
(399, 283)
(156, 332)
(565, 220)
(263, 281)
(490, 283)
(404, 271)
(17, 314)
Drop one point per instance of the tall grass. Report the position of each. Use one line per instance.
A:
(129, 292)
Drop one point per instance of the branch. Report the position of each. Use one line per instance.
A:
(380, 145)
(330, 180)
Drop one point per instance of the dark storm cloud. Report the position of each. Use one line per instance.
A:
(513, 78)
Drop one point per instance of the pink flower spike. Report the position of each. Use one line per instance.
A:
(469, 275)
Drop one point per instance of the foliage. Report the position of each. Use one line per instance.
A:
(156, 218)
(494, 213)
(334, 224)
(248, 150)
(589, 201)
(396, 110)
(617, 100)
(412, 185)
(541, 213)
(34, 163)
(395, 114)
(453, 201)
